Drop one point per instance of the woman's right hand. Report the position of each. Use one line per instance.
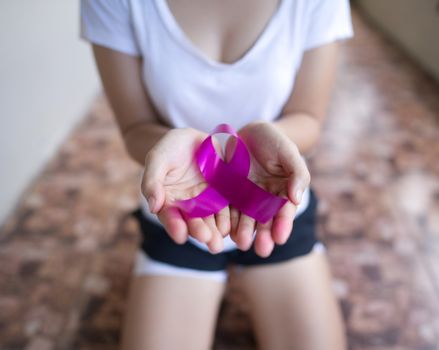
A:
(170, 175)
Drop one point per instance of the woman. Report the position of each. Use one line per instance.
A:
(172, 71)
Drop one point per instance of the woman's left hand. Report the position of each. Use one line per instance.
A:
(276, 166)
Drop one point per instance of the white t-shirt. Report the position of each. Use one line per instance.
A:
(190, 89)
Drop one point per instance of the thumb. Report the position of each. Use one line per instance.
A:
(299, 178)
(152, 183)
(296, 188)
(154, 194)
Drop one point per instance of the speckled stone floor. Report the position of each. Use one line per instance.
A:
(67, 250)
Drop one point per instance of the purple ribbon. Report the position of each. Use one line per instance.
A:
(228, 184)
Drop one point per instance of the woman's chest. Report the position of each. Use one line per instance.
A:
(199, 68)
(222, 30)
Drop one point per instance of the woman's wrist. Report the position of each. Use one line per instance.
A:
(301, 128)
(138, 142)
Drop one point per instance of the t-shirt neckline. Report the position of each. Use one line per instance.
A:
(182, 39)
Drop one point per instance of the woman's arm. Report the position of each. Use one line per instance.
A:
(281, 168)
(166, 154)
(138, 121)
(306, 108)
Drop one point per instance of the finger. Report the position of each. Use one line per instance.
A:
(199, 230)
(244, 234)
(174, 224)
(283, 223)
(234, 220)
(222, 219)
(152, 181)
(294, 164)
(264, 244)
(215, 244)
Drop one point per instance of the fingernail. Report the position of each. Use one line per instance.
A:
(299, 194)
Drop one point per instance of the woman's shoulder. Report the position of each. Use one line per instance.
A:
(112, 23)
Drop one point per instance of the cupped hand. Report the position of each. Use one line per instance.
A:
(171, 174)
(276, 166)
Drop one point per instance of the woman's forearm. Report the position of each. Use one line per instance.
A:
(139, 140)
(302, 129)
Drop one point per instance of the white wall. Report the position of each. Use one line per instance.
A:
(47, 81)
(413, 24)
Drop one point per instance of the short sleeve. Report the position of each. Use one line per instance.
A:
(108, 23)
(329, 20)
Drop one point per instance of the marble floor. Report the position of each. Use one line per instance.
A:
(67, 250)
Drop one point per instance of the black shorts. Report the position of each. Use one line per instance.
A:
(157, 244)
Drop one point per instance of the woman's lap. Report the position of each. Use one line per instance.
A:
(158, 254)
(145, 265)
(291, 304)
(290, 290)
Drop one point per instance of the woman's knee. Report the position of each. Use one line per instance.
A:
(293, 304)
(166, 312)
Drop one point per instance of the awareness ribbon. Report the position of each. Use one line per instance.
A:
(228, 183)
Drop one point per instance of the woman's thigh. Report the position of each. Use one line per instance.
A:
(293, 305)
(171, 312)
